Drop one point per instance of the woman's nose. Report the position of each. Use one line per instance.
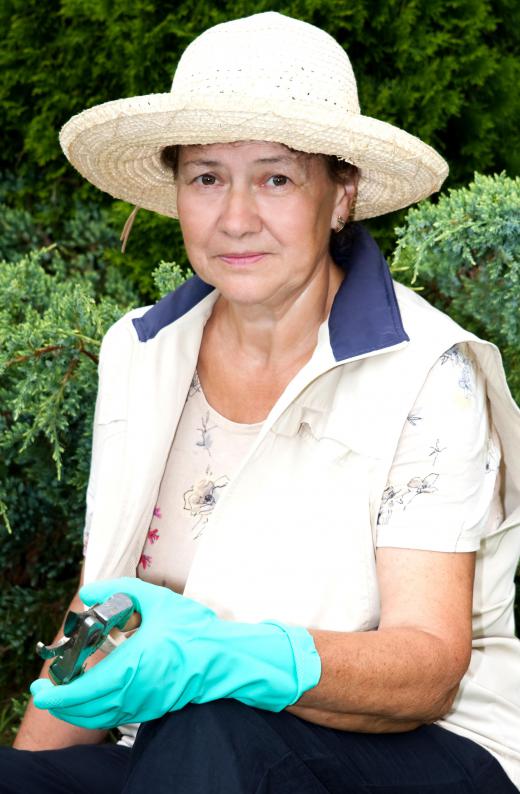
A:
(240, 213)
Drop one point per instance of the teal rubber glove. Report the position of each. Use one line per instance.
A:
(182, 653)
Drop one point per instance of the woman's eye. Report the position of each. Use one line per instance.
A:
(279, 180)
(205, 179)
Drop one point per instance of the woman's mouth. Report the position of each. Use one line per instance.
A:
(245, 258)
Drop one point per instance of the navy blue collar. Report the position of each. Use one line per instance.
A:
(364, 317)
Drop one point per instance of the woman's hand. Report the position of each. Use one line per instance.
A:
(182, 653)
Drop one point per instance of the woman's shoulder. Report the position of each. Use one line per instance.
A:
(120, 339)
(432, 332)
(420, 317)
(125, 323)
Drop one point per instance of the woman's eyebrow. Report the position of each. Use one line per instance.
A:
(281, 159)
(204, 163)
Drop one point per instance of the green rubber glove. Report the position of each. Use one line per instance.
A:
(182, 653)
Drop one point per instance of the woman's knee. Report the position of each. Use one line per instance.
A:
(223, 732)
(222, 746)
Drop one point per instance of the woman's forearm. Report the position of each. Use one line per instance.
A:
(358, 723)
(41, 731)
(381, 681)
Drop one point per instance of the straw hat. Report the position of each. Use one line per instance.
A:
(266, 77)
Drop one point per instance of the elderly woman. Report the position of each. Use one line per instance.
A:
(302, 474)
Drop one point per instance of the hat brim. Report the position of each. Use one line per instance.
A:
(116, 146)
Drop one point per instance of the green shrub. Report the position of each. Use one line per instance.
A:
(11, 712)
(55, 304)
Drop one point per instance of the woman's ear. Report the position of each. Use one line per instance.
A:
(345, 203)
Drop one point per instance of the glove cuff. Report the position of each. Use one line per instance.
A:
(307, 662)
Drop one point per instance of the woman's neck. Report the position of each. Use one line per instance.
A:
(269, 337)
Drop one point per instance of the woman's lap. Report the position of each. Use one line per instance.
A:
(228, 748)
(233, 749)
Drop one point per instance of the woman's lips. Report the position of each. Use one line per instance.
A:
(241, 259)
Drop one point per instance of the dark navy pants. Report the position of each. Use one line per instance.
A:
(227, 748)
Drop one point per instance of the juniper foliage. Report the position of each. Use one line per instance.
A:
(55, 305)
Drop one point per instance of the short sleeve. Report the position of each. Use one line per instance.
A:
(442, 492)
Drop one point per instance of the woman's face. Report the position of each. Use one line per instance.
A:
(256, 218)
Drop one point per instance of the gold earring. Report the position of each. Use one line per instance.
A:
(340, 224)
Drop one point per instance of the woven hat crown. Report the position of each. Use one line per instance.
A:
(267, 57)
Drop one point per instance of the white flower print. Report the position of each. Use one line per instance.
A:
(201, 499)
(401, 497)
(419, 485)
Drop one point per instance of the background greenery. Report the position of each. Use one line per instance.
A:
(446, 70)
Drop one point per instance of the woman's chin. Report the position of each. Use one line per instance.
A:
(245, 289)
(247, 297)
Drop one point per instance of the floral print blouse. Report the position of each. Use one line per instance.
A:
(206, 451)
